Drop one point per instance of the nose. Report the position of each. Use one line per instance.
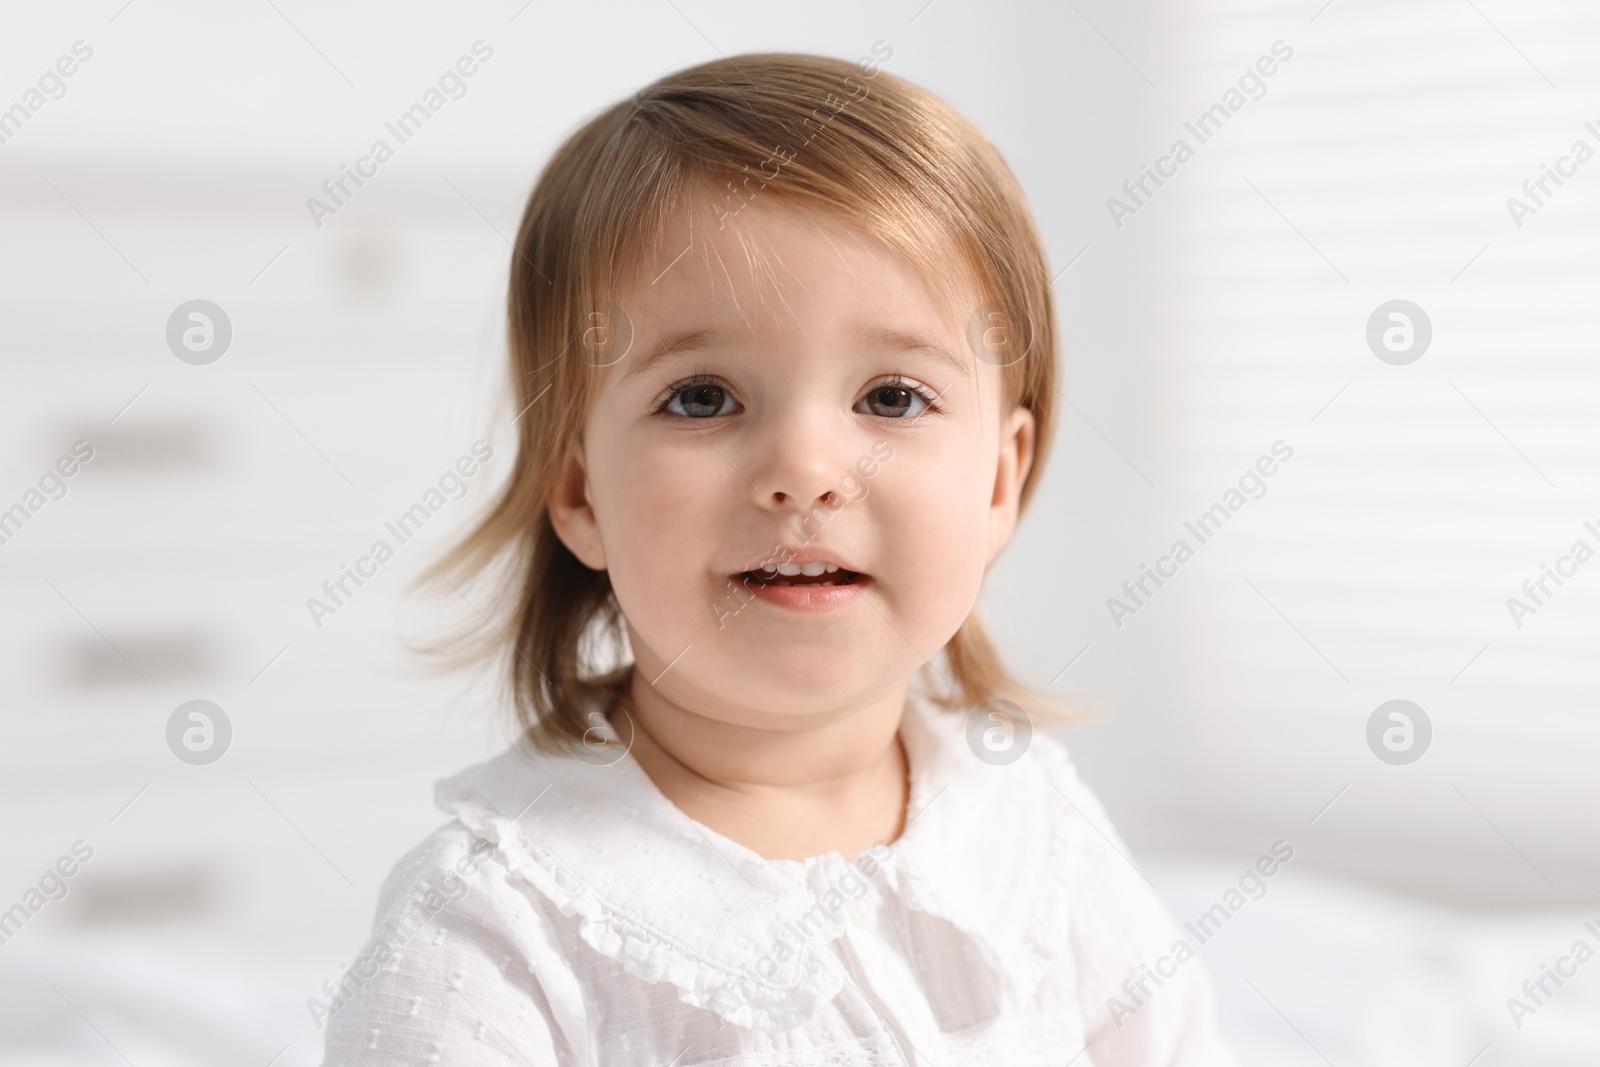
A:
(800, 459)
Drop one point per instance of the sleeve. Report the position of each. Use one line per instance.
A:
(454, 971)
(1144, 995)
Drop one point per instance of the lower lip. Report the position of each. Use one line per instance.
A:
(810, 597)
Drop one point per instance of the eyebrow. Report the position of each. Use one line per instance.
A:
(676, 341)
(884, 337)
(702, 337)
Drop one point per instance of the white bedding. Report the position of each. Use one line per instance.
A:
(1320, 971)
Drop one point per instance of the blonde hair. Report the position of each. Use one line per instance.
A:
(872, 149)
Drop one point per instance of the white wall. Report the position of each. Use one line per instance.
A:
(1376, 164)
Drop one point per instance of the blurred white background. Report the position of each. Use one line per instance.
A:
(1227, 313)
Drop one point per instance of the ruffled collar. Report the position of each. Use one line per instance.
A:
(978, 851)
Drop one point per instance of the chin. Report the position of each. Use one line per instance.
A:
(790, 683)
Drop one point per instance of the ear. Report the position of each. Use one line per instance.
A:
(1011, 471)
(572, 514)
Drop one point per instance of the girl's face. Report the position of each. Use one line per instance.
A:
(794, 395)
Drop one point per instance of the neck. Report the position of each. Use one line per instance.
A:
(786, 786)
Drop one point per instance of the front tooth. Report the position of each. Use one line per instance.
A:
(832, 567)
(789, 569)
(811, 570)
(770, 568)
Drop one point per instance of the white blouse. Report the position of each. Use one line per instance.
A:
(571, 914)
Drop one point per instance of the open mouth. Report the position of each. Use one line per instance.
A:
(815, 575)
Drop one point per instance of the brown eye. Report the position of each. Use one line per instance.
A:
(894, 401)
(699, 400)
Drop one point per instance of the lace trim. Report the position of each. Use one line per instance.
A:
(743, 998)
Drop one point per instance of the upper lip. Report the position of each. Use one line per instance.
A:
(802, 556)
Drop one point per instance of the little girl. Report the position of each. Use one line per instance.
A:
(783, 352)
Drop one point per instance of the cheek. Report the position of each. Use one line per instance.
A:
(933, 512)
(660, 513)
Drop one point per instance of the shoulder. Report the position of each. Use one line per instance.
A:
(457, 952)
(439, 861)
(1119, 929)
(1062, 783)
(1017, 790)
(1091, 852)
